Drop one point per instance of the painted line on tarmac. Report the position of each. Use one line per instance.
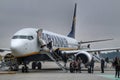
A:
(109, 76)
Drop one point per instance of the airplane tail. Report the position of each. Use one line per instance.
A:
(72, 32)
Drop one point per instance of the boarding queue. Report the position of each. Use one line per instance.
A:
(76, 65)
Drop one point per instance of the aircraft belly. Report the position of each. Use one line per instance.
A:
(37, 57)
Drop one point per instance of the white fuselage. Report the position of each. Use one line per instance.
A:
(25, 42)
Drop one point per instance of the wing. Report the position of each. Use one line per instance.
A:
(84, 42)
(103, 49)
(4, 49)
(91, 50)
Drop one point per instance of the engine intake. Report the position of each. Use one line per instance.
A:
(9, 57)
(85, 56)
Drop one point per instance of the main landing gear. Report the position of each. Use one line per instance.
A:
(37, 65)
(25, 68)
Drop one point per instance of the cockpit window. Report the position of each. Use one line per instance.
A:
(14, 37)
(30, 37)
(22, 37)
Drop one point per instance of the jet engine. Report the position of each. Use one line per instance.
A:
(85, 56)
(9, 57)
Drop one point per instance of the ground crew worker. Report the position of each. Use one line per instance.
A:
(115, 63)
(92, 65)
(102, 65)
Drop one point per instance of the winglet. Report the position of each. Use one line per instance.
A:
(72, 32)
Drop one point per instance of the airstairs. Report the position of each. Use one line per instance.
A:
(56, 61)
(54, 56)
(96, 57)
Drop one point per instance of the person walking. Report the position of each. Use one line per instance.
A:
(79, 64)
(102, 65)
(118, 68)
(116, 65)
(92, 65)
(65, 57)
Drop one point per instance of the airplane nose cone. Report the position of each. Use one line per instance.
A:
(16, 46)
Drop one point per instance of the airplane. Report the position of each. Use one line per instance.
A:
(32, 45)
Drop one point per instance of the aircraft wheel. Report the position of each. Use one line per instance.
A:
(26, 69)
(34, 65)
(39, 65)
(23, 69)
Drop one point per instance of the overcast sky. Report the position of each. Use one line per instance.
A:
(96, 19)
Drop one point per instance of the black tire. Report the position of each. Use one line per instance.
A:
(34, 65)
(39, 65)
(89, 70)
(71, 70)
(26, 69)
(23, 69)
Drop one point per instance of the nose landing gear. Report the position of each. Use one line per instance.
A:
(25, 68)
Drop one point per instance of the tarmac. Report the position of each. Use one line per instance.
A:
(52, 72)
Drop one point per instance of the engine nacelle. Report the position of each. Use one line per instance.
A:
(9, 57)
(85, 56)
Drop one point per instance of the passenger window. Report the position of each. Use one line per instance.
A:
(59, 42)
(65, 43)
(56, 42)
(48, 36)
(46, 40)
(43, 37)
(52, 40)
(62, 42)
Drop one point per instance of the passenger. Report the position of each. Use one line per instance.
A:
(79, 64)
(89, 68)
(65, 58)
(58, 51)
(49, 45)
(102, 65)
(72, 67)
(40, 41)
(116, 63)
(118, 68)
(76, 66)
(92, 65)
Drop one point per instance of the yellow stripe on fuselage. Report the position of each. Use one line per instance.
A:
(30, 54)
(34, 53)
(66, 49)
